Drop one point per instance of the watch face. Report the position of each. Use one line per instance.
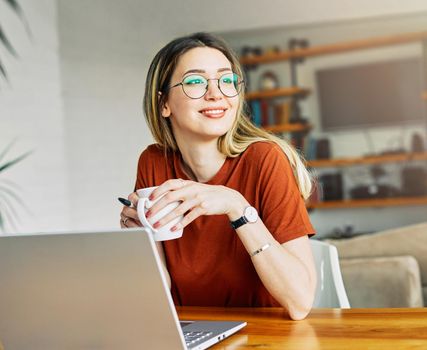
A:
(251, 214)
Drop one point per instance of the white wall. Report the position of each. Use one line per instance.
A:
(103, 66)
(31, 110)
(87, 143)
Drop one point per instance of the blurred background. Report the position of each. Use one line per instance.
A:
(342, 80)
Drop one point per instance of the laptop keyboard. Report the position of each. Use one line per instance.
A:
(192, 338)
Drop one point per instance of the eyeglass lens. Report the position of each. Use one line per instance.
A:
(195, 86)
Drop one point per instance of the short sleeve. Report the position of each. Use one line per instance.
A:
(282, 207)
(142, 170)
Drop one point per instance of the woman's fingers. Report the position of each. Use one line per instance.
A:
(167, 186)
(183, 208)
(129, 215)
(195, 199)
(129, 212)
(133, 197)
(128, 222)
(191, 216)
(187, 192)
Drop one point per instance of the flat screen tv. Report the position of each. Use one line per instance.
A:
(371, 95)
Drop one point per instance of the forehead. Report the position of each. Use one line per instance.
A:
(203, 58)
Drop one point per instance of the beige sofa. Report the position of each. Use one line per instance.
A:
(387, 268)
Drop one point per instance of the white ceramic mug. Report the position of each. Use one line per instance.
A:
(163, 233)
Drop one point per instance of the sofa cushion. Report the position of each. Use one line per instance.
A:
(408, 240)
(382, 282)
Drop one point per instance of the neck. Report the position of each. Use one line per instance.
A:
(201, 160)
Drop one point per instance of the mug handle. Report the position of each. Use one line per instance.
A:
(142, 202)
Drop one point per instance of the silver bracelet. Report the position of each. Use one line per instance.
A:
(264, 247)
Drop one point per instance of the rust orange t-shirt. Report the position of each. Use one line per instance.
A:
(209, 265)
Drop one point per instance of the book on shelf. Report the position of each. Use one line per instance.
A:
(268, 113)
(265, 106)
(282, 112)
(310, 146)
(271, 114)
(298, 141)
(255, 108)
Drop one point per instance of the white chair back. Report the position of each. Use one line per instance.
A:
(330, 291)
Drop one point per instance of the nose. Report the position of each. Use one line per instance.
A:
(213, 93)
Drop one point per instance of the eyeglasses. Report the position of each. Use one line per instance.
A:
(195, 86)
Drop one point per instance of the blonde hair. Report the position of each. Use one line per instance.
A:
(242, 133)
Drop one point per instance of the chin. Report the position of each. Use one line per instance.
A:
(207, 130)
(217, 132)
(212, 136)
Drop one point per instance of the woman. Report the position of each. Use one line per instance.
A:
(224, 170)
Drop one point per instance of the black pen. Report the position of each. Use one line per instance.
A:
(125, 201)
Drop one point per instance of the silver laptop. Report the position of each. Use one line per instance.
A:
(92, 290)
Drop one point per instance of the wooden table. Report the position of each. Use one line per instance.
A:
(271, 328)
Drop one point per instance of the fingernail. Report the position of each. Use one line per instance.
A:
(176, 227)
(148, 214)
(157, 224)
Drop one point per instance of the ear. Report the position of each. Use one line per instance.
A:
(164, 107)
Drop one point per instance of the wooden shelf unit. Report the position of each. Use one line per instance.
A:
(365, 203)
(386, 158)
(280, 92)
(368, 202)
(335, 48)
(341, 162)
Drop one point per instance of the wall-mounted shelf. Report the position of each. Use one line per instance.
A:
(365, 203)
(335, 48)
(387, 158)
(368, 202)
(340, 162)
(288, 127)
(281, 92)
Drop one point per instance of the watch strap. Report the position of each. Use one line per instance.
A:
(239, 222)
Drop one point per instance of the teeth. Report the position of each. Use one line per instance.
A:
(214, 111)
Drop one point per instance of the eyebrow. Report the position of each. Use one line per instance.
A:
(203, 71)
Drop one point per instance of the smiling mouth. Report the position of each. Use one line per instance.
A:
(213, 113)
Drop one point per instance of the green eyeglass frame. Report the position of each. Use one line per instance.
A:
(195, 86)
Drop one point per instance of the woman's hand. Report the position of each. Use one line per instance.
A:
(196, 200)
(129, 215)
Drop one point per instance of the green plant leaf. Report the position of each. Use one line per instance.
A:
(8, 207)
(10, 213)
(3, 72)
(14, 161)
(17, 8)
(5, 190)
(9, 218)
(8, 147)
(11, 193)
(10, 202)
(8, 197)
(7, 43)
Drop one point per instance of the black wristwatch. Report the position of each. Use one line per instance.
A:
(250, 215)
